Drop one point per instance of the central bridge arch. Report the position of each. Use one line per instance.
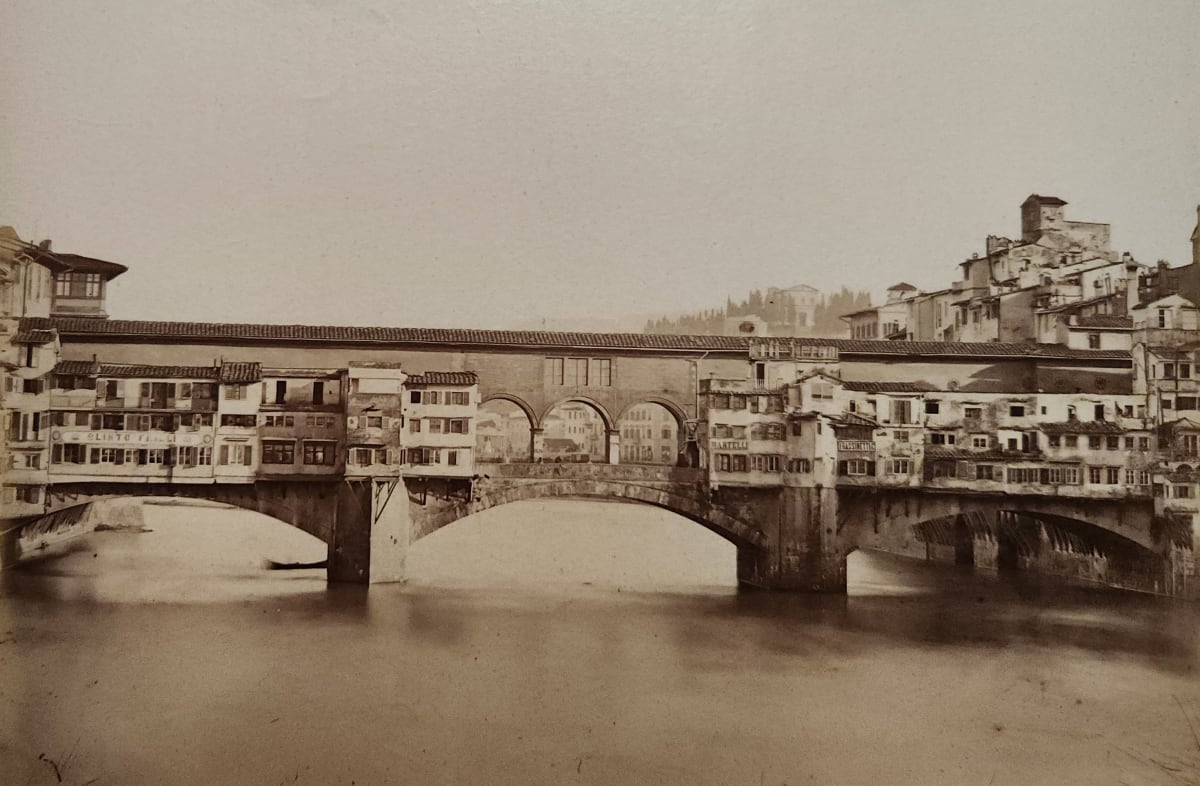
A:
(429, 519)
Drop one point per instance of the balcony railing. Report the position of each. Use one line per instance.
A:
(856, 445)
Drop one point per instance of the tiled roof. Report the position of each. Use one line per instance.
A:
(175, 332)
(1075, 305)
(946, 453)
(34, 337)
(229, 372)
(240, 372)
(1081, 427)
(152, 372)
(853, 419)
(887, 387)
(77, 368)
(1105, 321)
(442, 378)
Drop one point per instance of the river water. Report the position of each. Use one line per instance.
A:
(572, 643)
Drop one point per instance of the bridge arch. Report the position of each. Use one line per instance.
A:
(741, 534)
(675, 410)
(504, 430)
(592, 403)
(577, 429)
(651, 431)
(530, 413)
(309, 507)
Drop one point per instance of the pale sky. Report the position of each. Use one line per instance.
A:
(481, 164)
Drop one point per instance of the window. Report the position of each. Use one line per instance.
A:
(1185, 402)
(723, 462)
(278, 451)
(1168, 371)
(822, 390)
(458, 426)
(106, 456)
(857, 467)
(1183, 492)
(1093, 340)
(1164, 318)
(460, 398)
(236, 453)
(322, 453)
(1094, 474)
(29, 494)
(435, 425)
(1054, 440)
(972, 413)
(1113, 443)
(766, 463)
(235, 392)
(1071, 441)
(452, 458)
(281, 392)
(902, 411)
(424, 456)
(190, 456)
(1168, 403)
(900, 467)
(1112, 475)
(1129, 443)
(112, 389)
(1143, 443)
(1185, 370)
(78, 285)
(799, 465)
(1016, 410)
(575, 372)
(238, 421)
(374, 421)
(414, 397)
(318, 392)
(987, 472)
(69, 454)
(604, 371)
(738, 463)
(979, 441)
(932, 407)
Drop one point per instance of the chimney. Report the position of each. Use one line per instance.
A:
(44, 245)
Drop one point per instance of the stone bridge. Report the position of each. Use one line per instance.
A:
(786, 537)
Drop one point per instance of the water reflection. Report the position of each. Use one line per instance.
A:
(156, 657)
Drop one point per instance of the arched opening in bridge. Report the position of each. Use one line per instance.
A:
(554, 542)
(502, 433)
(649, 434)
(160, 549)
(574, 431)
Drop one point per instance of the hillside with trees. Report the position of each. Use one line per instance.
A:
(825, 321)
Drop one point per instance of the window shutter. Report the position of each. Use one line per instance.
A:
(248, 455)
(841, 467)
(224, 454)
